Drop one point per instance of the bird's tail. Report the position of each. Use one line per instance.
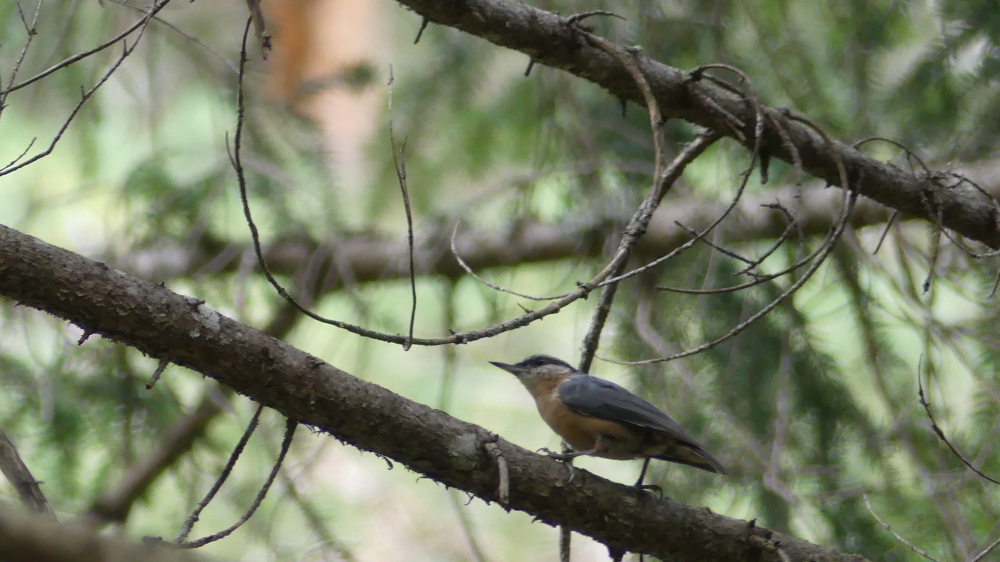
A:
(696, 457)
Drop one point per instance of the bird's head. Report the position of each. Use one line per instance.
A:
(537, 369)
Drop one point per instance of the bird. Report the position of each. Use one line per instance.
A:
(599, 418)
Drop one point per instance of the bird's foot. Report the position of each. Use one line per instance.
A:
(651, 488)
(566, 459)
(554, 455)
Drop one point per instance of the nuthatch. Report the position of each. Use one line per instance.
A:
(598, 418)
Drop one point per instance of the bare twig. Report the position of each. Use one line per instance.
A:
(849, 197)
(399, 163)
(420, 32)
(660, 187)
(23, 152)
(286, 443)
(32, 30)
(941, 436)
(885, 231)
(85, 95)
(140, 24)
(187, 36)
(985, 551)
(759, 279)
(630, 238)
(233, 457)
(886, 526)
(565, 536)
(494, 286)
(20, 477)
(695, 75)
(575, 19)
(258, 25)
(160, 367)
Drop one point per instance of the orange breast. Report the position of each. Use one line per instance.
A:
(582, 432)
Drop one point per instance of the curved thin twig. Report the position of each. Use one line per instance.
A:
(286, 443)
(886, 526)
(662, 182)
(32, 30)
(698, 74)
(141, 23)
(850, 197)
(468, 269)
(759, 280)
(399, 163)
(84, 96)
(221, 479)
(941, 436)
(637, 224)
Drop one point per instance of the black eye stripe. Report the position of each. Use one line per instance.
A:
(542, 360)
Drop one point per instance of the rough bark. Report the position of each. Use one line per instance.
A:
(115, 503)
(547, 39)
(185, 331)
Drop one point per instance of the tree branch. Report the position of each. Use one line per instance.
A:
(374, 258)
(302, 387)
(546, 38)
(115, 503)
(20, 477)
(26, 537)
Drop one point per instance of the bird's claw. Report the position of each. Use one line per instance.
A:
(563, 458)
(572, 473)
(650, 487)
(553, 455)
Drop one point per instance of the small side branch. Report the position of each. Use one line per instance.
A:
(941, 436)
(399, 163)
(189, 524)
(286, 443)
(886, 526)
(141, 23)
(20, 477)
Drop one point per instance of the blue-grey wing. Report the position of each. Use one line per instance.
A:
(606, 400)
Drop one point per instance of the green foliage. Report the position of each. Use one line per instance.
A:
(812, 407)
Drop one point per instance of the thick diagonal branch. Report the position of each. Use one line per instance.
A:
(115, 503)
(547, 39)
(161, 323)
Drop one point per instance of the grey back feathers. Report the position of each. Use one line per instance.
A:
(606, 400)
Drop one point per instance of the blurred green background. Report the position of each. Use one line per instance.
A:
(810, 409)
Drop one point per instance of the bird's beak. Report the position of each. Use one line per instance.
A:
(506, 367)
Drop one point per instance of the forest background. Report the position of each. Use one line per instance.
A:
(813, 407)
